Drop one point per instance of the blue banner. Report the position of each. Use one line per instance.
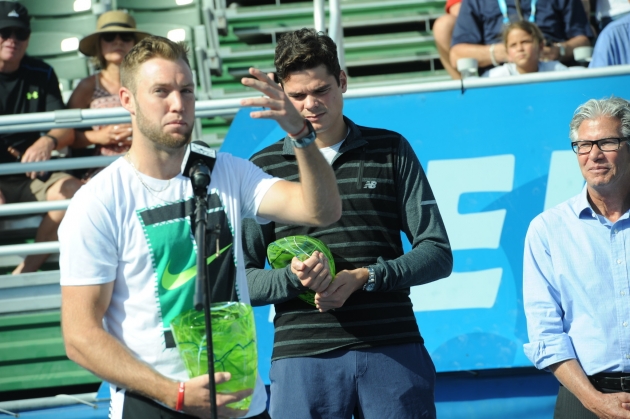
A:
(495, 157)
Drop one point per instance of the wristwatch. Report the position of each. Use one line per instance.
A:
(371, 282)
(561, 49)
(307, 139)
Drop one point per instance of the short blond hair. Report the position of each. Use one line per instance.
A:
(526, 26)
(145, 50)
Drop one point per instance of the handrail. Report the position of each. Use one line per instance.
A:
(56, 165)
(37, 207)
(81, 118)
(29, 248)
(45, 120)
(319, 15)
(335, 29)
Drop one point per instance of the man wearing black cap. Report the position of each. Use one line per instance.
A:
(29, 85)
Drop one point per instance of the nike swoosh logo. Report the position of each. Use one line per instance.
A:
(172, 281)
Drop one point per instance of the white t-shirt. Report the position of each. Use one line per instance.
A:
(612, 8)
(115, 229)
(509, 69)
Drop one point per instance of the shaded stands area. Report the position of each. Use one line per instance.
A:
(33, 363)
(386, 42)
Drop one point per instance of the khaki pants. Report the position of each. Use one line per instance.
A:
(19, 188)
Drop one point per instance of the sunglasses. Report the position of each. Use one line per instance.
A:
(124, 36)
(19, 33)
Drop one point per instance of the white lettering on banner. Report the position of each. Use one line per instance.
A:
(272, 313)
(477, 289)
(565, 178)
(450, 179)
(459, 291)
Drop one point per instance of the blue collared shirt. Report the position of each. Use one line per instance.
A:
(576, 288)
(613, 44)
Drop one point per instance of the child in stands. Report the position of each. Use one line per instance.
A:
(523, 42)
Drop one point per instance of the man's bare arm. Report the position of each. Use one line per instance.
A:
(89, 345)
(479, 52)
(604, 405)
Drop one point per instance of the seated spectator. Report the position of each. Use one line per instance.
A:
(115, 35)
(607, 11)
(480, 23)
(523, 42)
(613, 44)
(29, 85)
(443, 32)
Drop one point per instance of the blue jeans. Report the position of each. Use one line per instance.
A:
(394, 381)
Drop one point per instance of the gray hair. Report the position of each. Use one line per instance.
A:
(614, 107)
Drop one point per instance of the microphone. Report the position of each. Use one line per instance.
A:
(197, 165)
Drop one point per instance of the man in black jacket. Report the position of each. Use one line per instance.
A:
(29, 85)
(359, 350)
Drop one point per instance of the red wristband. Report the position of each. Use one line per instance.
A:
(180, 397)
(299, 132)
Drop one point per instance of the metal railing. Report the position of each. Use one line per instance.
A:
(335, 29)
(48, 120)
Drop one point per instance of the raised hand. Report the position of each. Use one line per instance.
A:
(276, 103)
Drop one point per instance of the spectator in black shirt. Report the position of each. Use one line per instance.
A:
(29, 85)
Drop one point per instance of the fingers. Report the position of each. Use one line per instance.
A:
(314, 272)
(221, 377)
(227, 398)
(262, 82)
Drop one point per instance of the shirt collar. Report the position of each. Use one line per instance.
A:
(583, 208)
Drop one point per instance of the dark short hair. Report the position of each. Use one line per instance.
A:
(150, 47)
(305, 49)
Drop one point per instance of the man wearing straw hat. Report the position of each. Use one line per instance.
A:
(29, 85)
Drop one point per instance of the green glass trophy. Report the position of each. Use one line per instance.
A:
(234, 345)
(280, 253)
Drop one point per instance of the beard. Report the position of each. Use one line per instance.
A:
(158, 137)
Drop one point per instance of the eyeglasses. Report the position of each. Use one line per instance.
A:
(124, 36)
(605, 144)
(20, 34)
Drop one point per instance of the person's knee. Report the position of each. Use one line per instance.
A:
(443, 30)
(63, 189)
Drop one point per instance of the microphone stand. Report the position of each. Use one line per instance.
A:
(200, 178)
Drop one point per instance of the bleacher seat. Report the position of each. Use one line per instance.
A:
(183, 12)
(60, 50)
(66, 15)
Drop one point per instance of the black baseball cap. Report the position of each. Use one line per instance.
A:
(13, 15)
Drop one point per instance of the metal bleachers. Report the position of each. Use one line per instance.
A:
(382, 38)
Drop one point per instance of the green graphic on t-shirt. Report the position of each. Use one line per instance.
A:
(167, 229)
(174, 259)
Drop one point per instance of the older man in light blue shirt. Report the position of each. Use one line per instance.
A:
(576, 279)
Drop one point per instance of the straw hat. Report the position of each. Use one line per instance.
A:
(112, 21)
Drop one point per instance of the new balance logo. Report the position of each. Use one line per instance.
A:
(13, 14)
(370, 184)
